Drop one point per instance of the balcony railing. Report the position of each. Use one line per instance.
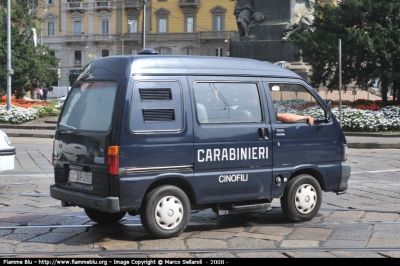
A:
(186, 3)
(76, 6)
(105, 38)
(76, 38)
(132, 4)
(132, 37)
(100, 5)
(218, 35)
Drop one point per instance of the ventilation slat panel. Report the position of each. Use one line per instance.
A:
(158, 115)
(159, 94)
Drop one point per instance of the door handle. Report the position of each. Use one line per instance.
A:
(280, 131)
(263, 132)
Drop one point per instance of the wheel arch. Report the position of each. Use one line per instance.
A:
(179, 182)
(312, 172)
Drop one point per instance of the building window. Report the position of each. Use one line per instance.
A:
(104, 53)
(190, 51)
(78, 58)
(132, 26)
(218, 17)
(218, 52)
(50, 28)
(189, 24)
(134, 52)
(162, 20)
(217, 23)
(52, 53)
(162, 51)
(105, 29)
(77, 27)
(51, 2)
(162, 25)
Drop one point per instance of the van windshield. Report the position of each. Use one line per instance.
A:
(89, 107)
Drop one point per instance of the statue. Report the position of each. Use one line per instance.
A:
(246, 18)
(302, 17)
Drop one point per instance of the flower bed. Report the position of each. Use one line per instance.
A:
(23, 110)
(354, 119)
(358, 116)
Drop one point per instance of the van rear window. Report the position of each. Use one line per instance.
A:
(89, 107)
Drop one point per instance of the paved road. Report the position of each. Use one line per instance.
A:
(364, 222)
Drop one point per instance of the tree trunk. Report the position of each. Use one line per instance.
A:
(395, 92)
(398, 94)
(384, 91)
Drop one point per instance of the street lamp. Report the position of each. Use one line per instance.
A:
(144, 26)
(10, 71)
(227, 41)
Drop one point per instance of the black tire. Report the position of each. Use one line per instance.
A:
(101, 217)
(302, 198)
(165, 212)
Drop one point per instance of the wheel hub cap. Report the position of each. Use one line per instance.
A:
(306, 198)
(169, 212)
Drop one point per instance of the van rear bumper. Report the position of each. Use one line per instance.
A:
(346, 171)
(75, 198)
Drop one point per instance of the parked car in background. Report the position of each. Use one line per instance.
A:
(61, 100)
(7, 153)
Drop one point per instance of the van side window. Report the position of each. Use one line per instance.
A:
(156, 105)
(227, 102)
(295, 99)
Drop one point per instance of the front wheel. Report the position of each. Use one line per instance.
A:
(165, 212)
(302, 198)
(101, 217)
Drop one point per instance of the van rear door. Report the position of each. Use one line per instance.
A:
(231, 139)
(82, 137)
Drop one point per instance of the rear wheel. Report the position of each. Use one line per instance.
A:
(165, 212)
(101, 217)
(302, 198)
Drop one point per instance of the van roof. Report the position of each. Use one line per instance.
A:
(192, 65)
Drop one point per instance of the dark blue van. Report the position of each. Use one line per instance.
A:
(160, 136)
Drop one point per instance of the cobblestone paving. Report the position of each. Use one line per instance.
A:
(364, 222)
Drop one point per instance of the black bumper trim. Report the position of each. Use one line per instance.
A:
(106, 204)
(7, 152)
(346, 171)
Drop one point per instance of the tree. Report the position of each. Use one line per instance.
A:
(370, 33)
(33, 65)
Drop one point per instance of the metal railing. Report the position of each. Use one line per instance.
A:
(218, 35)
(102, 4)
(76, 6)
(132, 4)
(105, 37)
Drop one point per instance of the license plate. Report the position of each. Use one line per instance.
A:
(80, 177)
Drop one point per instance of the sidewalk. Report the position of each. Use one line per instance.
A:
(40, 128)
(44, 128)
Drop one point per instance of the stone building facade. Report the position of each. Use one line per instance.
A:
(78, 31)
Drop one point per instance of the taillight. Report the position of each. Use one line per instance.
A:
(113, 152)
(52, 155)
(345, 154)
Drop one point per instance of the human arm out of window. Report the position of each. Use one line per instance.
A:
(294, 118)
